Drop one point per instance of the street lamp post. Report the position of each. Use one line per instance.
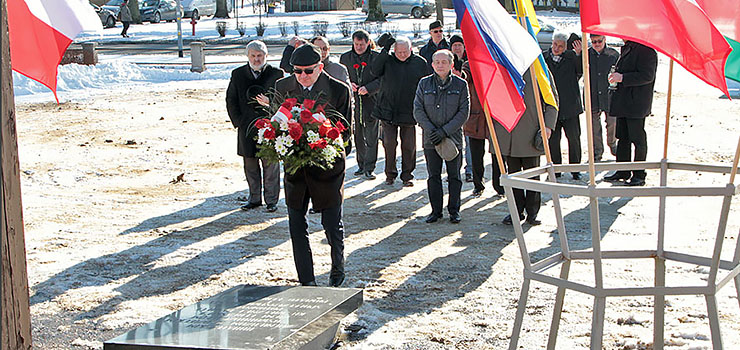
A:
(179, 29)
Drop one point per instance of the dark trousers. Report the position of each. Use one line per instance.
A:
(268, 175)
(631, 131)
(528, 201)
(477, 150)
(331, 220)
(434, 182)
(572, 128)
(366, 141)
(407, 133)
(126, 24)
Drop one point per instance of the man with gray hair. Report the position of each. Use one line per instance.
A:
(245, 94)
(399, 75)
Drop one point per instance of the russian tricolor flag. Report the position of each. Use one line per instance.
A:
(40, 32)
(499, 51)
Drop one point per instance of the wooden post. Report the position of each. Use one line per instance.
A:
(14, 307)
(589, 120)
(494, 138)
(668, 110)
(734, 163)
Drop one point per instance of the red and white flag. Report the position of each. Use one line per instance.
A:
(40, 32)
(677, 28)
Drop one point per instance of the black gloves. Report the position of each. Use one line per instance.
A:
(386, 40)
(436, 136)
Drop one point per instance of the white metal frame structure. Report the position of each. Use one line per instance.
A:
(537, 270)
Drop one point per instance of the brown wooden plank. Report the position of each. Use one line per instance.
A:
(14, 306)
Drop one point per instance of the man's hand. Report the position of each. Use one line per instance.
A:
(577, 47)
(263, 100)
(548, 132)
(296, 41)
(362, 91)
(615, 77)
(456, 72)
(383, 40)
(436, 136)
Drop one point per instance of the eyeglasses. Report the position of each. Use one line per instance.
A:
(436, 31)
(597, 41)
(308, 71)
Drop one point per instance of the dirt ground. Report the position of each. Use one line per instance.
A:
(114, 241)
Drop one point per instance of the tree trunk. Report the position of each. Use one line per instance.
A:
(221, 10)
(14, 304)
(133, 6)
(440, 5)
(375, 11)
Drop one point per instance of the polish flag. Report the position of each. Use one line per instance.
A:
(677, 28)
(499, 51)
(40, 32)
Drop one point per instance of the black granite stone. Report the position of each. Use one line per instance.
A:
(249, 317)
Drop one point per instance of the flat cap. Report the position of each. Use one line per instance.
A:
(305, 55)
(435, 24)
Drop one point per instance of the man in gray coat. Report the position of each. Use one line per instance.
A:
(441, 107)
(520, 152)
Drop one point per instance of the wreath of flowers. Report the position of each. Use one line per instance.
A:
(300, 135)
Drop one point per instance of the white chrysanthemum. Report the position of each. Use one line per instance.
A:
(339, 142)
(282, 144)
(261, 135)
(295, 111)
(281, 149)
(284, 126)
(312, 136)
(329, 152)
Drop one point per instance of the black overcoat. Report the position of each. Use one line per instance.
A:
(362, 76)
(599, 66)
(325, 188)
(566, 74)
(633, 97)
(243, 109)
(398, 82)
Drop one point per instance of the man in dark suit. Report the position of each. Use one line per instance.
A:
(246, 89)
(325, 188)
(631, 103)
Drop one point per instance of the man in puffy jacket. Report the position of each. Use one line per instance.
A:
(399, 74)
(441, 107)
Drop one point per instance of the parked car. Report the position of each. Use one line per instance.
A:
(155, 11)
(107, 17)
(415, 8)
(197, 8)
(114, 6)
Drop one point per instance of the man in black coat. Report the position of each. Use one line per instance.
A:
(436, 42)
(566, 69)
(601, 58)
(325, 188)
(399, 74)
(631, 103)
(246, 89)
(364, 87)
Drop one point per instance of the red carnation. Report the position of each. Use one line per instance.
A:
(289, 103)
(333, 133)
(308, 104)
(295, 130)
(269, 134)
(324, 128)
(356, 66)
(307, 117)
(262, 123)
(340, 126)
(364, 64)
(320, 144)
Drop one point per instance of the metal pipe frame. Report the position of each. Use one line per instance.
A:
(537, 270)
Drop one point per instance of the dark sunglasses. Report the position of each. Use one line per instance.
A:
(308, 71)
(597, 41)
(437, 31)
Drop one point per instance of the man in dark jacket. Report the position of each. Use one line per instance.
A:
(601, 59)
(325, 188)
(457, 46)
(441, 107)
(436, 42)
(399, 75)
(364, 85)
(126, 18)
(566, 69)
(246, 88)
(631, 103)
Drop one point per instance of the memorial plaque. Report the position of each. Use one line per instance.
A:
(249, 317)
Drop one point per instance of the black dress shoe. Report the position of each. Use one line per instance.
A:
(271, 208)
(249, 206)
(635, 182)
(433, 218)
(477, 193)
(369, 175)
(336, 281)
(309, 284)
(408, 183)
(532, 220)
(389, 181)
(359, 172)
(455, 218)
(507, 220)
(468, 178)
(618, 176)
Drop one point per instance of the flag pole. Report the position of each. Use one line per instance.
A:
(734, 163)
(668, 110)
(494, 138)
(589, 121)
(540, 115)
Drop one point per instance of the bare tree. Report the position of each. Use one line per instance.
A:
(133, 6)
(440, 5)
(375, 11)
(221, 10)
